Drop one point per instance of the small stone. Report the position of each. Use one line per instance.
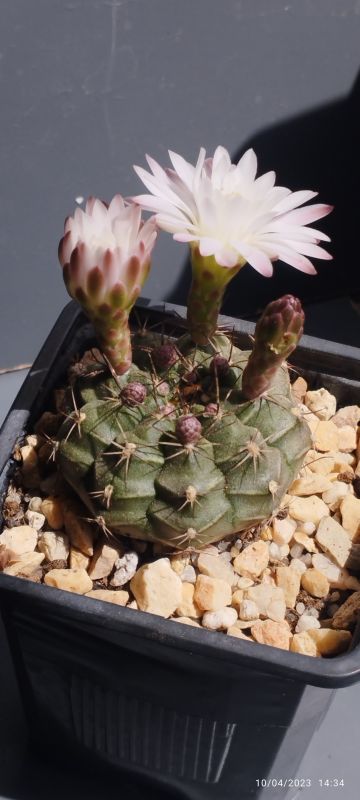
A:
(185, 621)
(29, 457)
(296, 551)
(237, 599)
(188, 575)
(215, 567)
(297, 565)
(26, 566)
(330, 642)
(51, 507)
(103, 561)
(34, 519)
(179, 562)
(270, 600)
(283, 530)
(125, 568)
(235, 631)
(79, 531)
(156, 588)
(119, 598)
(244, 583)
(219, 620)
(276, 634)
(350, 514)
(308, 509)
(315, 583)
(334, 496)
(350, 415)
(211, 594)
(289, 581)
(305, 541)
(348, 613)
(78, 560)
(347, 439)
(332, 538)
(306, 623)
(342, 461)
(310, 484)
(326, 436)
(20, 539)
(187, 607)
(274, 552)
(318, 463)
(133, 604)
(35, 504)
(266, 534)
(308, 527)
(33, 440)
(303, 643)
(321, 403)
(248, 610)
(305, 414)
(251, 562)
(300, 608)
(306, 559)
(299, 388)
(54, 545)
(70, 580)
(338, 577)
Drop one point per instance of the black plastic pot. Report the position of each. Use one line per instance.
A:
(208, 715)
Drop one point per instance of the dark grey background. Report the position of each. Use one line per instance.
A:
(86, 88)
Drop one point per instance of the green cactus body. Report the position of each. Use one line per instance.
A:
(146, 469)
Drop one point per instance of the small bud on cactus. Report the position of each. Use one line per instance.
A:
(276, 335)
(188, 429)
(211, 409)
(105, 255)
(219, 366)
(164, 356)
(133, 394)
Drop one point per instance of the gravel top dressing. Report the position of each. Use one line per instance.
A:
(292, 582)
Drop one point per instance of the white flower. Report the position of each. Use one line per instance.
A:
(232, 215)
(106, 248)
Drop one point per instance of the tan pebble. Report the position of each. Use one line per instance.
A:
(219, 620)
(348, 613)
(297, 565)
(235, 631)
(334, 496)
(303, 412)
(342, 460)
(80, 532)
(26, 565)
(54, 545)
(338, 577)
(156, 588)
(313, 484)
(326, 436)
(308, 509)
(35, 504)
(103, 560)
(248, 610)
(347, 439)
(211, 594)
(33, 440)
(29, 457)
(289, 581)
(51, 507)
(299, 388)
(244, 583)
(185, 621)
(34, 519)
(133, 604)
(179, 562)
(283, 530)
(306, 541)
(20, 539)
(215, 567)
(303, 643)
(234, 551)
(319, 463)
(70, 580)
(276, 634)
(350, 514)
(332, 538)
(78, 560)
(252, 560)
(321, 403)
(120, 598)
(237, 599)
(187, 607)
(330, 642)
(315, 583)
(349, 415)
(270, 600)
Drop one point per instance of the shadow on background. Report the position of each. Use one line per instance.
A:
(315, 150)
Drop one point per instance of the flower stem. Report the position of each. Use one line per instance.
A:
(206, 294)
(114, 340)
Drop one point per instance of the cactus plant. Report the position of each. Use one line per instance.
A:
(192, 439)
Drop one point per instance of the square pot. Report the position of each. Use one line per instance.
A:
(210, 716)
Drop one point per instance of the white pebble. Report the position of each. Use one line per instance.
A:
(284, 550)
(125, 568)
(296, 551)
(313, 612)
(223, 545)
(225, 556)
(188, 575)
(274, 551)
(248, 610)
(299, 565)
(308, 527)
(34, 519)
(238, 544)
(306, 622)
(219, 620)
(300, 608)
(35, 504)
(307, 560)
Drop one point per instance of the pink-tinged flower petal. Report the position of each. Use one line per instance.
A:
(226, 257)
(257, 259)
(208, 246)
(308, 249)
(183, 168)
(183, 237)
(248, 164)
(301, 216)
(296, 260)
(293, 200)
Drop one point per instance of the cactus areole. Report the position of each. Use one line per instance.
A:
(185, 441)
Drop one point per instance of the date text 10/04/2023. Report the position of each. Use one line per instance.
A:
(300, 783)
